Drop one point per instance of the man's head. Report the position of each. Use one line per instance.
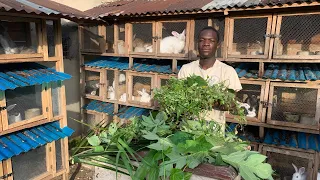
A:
(208, 41)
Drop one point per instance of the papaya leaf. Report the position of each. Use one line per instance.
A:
(94, 140)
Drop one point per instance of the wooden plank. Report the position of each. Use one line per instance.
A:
(45, 50)
(3, 114)
(28, 121)
(272, 40)
(268, 43)
(7, 168)
(226, 37)
(192, 52)
(24, 126)
(116, 38)
(230, 37)
(1, 169)
(6, 57)
(102, 41)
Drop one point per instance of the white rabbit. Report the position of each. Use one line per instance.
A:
(148, 47)
(15, 117)
(299, 174)
(122, 78)
(121, 47)
(173, 44)
(145, 97)
(111, 93)
(140, 49)
(123, 97)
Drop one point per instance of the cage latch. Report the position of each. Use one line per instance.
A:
(155, 38)
(6, 176)
(3, 108)
(265, 104)
(273, 35)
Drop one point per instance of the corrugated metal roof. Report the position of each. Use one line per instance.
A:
(25, 140)
(99, 106)
(121, 63)
(129, 112)
(142, 7)
(224, 4)
(282, 71)
(44, 7)
(123, 113)
(28, 74)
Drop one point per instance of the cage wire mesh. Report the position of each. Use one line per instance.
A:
(23, 103)
(142, 40)
(122, 87)
(91, 38)
(167, 30)
(218, 24)
(141, 89)
(163, 82)
(55, 94)
(199, 25)
(282, 164)
(92, 120)
(29, 165)
(300, 35)
(296, 105)
(50, 38)
(111, 85)
(249, 36)
(92, 80)
(121, 40)
(59, 165)
(249, 97)
(18, 37)
(110, 38)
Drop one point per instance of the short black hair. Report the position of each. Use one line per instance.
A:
(212, 29)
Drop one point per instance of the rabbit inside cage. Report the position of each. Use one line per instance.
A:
(92, 83)
(142, 38)
(141, 89)
(249, 99)
(18, 38)
(121, 91)
(295, 105)
(23, 103)
(173, 38)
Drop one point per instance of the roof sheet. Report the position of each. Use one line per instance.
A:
(285, 138)
(123, 113)
(25, 140)
(44, 7)
(100, 106)
(120, 63)
(142, 7)
(282, 71)
(28, 74)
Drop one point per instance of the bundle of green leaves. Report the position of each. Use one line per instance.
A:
(173, 139)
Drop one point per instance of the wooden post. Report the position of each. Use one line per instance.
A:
(63, 121)
(44, 40)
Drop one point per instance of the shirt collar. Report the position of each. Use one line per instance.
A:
(216, 64)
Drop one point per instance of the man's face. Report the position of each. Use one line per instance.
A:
(208, 43)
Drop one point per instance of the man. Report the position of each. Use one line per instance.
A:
(209, 68)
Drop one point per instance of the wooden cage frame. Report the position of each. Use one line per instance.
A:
(311, 155)
(41, 56)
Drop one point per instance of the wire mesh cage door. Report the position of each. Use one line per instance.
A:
(297, 37)
(25, 103)
(92, 40)
(93, 119)
(140, 88)
(121, 39)
(173, 38)
(281, 160)
(31, 164)
(143, 38)
(294, 105)
(56, 98)
(19, 36)
(110, 38)
(197, 25)
(51, 36)
(250, 98)
(93, 83)
(161, 80)
(247, 37)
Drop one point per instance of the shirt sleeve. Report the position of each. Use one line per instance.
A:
(182, 73)
(233, 80)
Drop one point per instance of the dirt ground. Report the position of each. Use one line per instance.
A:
(79, 172)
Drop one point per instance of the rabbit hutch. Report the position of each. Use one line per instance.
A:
(33, 121)
(272, 45)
